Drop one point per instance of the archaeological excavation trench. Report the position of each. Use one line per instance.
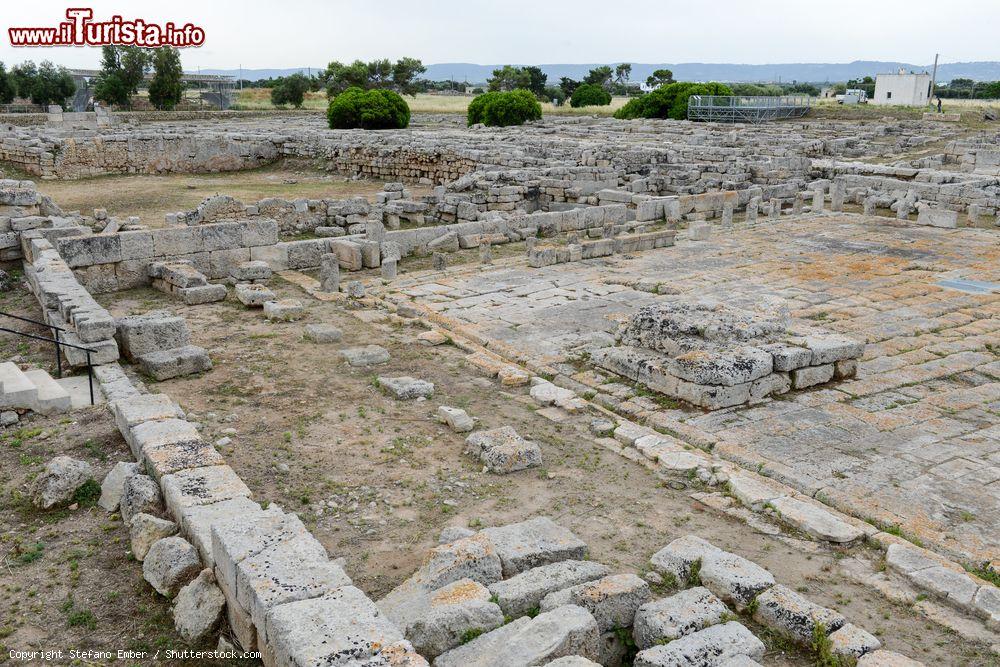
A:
(584, 391)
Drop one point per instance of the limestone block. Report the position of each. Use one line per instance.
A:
(114, 484)
(341, 622)
(253, 295)
(146, 529)
(503, 451)
(782, 609)
(711, 646)
(175, 362)
(612, 600)
(201, 486)
(679, 557)
(814, 520)
(170, 564)
(283, 310)
(734, 579)
(671, 618)
(194, 296)
(368, 355)
(323, 333)
(198, 608)
(140, 495)
(521, 593)
(564, 631)
(58, 482)
(532, 543)
(811, 376)
(148, 332)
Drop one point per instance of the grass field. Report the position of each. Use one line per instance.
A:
(260, 98)
(971, 110)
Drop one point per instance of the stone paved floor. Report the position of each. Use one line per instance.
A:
(913, 441)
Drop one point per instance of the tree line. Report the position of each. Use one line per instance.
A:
(123, 69)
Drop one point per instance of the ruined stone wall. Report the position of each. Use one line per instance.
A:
(111, 262)
(52, 156)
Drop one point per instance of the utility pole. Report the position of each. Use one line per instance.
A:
(933, 78)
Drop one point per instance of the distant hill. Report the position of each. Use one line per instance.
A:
(803, 72)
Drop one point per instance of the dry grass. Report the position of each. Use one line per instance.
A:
(260, 98)
(152, 196)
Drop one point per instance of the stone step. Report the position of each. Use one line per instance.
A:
(79, 391)
(16, 389)
(51, 398)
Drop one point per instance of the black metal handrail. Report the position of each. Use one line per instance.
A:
(59, 344)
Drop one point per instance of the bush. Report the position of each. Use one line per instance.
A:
(377, 109)
(504, 109)
(590, 95)
(670, 101)
(477, 107)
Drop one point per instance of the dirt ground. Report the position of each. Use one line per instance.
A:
(67, 578)
(152, 197)
(376, 479)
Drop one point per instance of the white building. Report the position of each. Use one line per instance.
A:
(902, 89)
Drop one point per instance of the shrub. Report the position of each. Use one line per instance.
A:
(590, 95)
(670, 101)
(477, 107)
(368, 109)
(503, 109)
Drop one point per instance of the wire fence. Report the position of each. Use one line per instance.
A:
(747, 108)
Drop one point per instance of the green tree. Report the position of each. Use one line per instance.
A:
(568, 85)
(599, 76)
(622, 73)
(400, 77)
(166, 88)
(536, 80)
(7, 88)
(508, 78)
(404, 75)
(589, 95)
(23, 77)
(660, 77)
(555, 95)
(51, 85)
(290, 90)
(122, 70)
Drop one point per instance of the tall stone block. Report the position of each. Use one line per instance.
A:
(329, 273)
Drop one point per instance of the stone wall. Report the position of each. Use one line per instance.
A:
(112, 262)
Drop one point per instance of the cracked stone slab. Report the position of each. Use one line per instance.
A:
(791, 614)
(711, 646)
(523, 592)
(564, 631)
(815, 520)
(613, 600)
(734, 578)
(341, 625)
(528, 544)
(201, 486)
(670, 618)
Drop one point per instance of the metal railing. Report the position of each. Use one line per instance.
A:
(747, 108)
(58, 344)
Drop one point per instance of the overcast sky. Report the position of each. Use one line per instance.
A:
(300, 33)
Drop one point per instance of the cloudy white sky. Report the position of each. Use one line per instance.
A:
(294, 33)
